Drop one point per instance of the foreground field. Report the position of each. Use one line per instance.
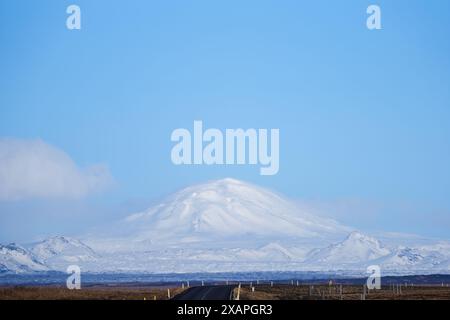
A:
(349, 292)
(89, 293)
(259, 292)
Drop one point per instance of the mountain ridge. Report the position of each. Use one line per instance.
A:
(225, 226)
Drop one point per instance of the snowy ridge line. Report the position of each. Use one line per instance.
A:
(226, 226)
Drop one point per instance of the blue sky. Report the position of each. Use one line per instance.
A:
(364, 116)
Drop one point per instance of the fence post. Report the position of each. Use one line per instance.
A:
(239, 292)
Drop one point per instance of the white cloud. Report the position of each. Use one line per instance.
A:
(34, 169)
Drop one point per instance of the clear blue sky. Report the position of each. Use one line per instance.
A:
(364, 116)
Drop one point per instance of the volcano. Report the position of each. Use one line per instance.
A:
(226, 225)
(227, 210)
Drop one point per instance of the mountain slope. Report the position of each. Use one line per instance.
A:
(227, 226)
(60, 252)
(228, 210)
(430, 257)
(14, 258)
(356, 248)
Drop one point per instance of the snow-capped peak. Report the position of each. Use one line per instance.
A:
(228, 181)
(14, 247)
(17, 259)
(227, 208)
(357, 236)
(224, 226)
(59, 251)
(357, 247)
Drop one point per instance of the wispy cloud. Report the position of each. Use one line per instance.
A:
(31, 169)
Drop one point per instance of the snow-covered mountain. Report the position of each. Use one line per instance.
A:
(19, 260)
(225, 209)
(356, 248)
(431, 257)
(59, 252)
(358, 251)
(227, 226)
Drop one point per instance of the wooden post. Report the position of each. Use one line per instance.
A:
(188, 283)
(239, 292)
(271, 283)
(168, 293)
(182, 285)
(341, 291)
